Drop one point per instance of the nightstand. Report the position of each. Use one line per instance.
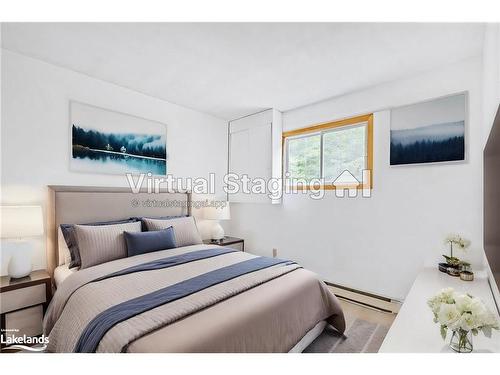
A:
(233, 242)
(23, 303)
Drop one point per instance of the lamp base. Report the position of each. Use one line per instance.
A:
(18, 279)
(217, 232)
(20, 262)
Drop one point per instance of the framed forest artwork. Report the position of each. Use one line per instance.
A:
(429, 132)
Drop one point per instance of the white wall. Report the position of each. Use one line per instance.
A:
(35, 133)
(378, 244)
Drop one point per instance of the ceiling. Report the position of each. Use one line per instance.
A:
(233, 69)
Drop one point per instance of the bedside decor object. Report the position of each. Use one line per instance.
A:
(217, 214)
(467, 275)
(456, 239)
(465, 266)
(464, 315)
(443, 267)
(18, 223)
(454, 265)
(452, 271)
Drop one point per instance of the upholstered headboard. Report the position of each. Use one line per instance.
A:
(78, 204)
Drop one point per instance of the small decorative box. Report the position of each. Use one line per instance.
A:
(466, 276)
(453, 271)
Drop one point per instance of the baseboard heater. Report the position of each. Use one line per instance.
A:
(371, 300)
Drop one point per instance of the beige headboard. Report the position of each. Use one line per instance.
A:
(78, 204)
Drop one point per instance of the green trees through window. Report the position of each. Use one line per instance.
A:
(326, 151)
(344, 149)
(304, 156)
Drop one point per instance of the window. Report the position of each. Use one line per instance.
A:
(326, 151)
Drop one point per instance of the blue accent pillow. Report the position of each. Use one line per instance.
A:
(68, 231)
(147, 242)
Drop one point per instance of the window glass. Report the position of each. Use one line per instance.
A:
(344, 149)
(304, 155)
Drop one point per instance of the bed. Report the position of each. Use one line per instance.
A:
(197, 298)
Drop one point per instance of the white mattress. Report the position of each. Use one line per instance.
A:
(62, 272)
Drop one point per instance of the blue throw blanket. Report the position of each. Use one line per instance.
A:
(103, 322)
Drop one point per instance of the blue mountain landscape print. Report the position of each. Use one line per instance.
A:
(428, 144)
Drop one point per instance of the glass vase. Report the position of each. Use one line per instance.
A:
(461, 341)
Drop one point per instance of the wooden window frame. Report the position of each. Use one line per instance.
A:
(368, 119)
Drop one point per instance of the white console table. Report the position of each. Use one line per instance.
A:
(414, 331)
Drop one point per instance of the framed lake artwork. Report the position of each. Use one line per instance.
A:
(105, 141)
(429, 132)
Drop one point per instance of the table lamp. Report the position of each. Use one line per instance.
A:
(217, 214)
(18, 223)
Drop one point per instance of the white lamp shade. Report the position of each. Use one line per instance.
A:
(217, 213)
(21, 221)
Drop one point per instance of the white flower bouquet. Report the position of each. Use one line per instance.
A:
(463, 314)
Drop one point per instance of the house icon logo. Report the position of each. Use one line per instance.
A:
(347, 182)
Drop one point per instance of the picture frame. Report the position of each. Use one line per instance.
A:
(430, 132)
(111, 142)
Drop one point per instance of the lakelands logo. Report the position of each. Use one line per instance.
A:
(29, 343)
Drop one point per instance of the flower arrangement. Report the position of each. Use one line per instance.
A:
(463, 314)
(455, 239)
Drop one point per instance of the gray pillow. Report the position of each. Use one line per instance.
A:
(144, 229)
(68, 231)
(103, 243)
(186, 232)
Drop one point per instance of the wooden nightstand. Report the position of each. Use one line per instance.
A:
(23, 303)
(233, 242)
